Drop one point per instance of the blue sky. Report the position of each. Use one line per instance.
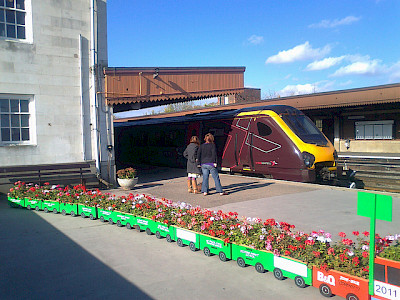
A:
(288, 47)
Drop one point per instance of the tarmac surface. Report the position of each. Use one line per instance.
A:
(49, 256)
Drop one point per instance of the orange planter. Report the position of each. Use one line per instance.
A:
(386, 279)
(341, 284)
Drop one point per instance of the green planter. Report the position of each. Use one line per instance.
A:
(145, 224)
(50, 206)
(261, 260)
(16, 203)
(125, 219)
(162, 230)
(87, 211)
(69, 209)
(33, 204)
(107, 215)
(211, 245)
(187, 237)
(293, 269)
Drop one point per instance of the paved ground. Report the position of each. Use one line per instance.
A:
(48, 256)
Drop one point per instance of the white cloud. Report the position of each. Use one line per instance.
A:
(394, 72)
(368, 67)
(300, 52)
(308, 88)
(255, 39)
(335, 23)
(326, 63)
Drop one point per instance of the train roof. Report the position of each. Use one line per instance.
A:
(200, 116)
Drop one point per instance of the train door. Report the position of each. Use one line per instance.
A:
(235, 154)
(264, 145)
(192, 129)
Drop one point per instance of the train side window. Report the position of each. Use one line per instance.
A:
(263, 129)
(379, 272)
(393, 276)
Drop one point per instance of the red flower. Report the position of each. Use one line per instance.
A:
(342, 234)
(317, 253)
(356, 233)
(366, 233)
(287, 252)
(331, 251)
(365, 254)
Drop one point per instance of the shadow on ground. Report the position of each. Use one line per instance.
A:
(37, 261)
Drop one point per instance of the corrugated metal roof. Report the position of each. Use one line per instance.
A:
(344, 98)
(132, 85)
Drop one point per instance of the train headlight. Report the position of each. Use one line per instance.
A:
(308, 159)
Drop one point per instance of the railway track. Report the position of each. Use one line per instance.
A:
(377, 172)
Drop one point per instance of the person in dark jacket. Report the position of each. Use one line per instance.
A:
(193, 170)
(207, 159)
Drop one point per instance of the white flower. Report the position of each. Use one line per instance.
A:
(365, 247)
(350, 253)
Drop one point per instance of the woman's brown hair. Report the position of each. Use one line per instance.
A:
(209, 138)
(195, 139)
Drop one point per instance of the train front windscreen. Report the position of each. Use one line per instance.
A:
(304, 128)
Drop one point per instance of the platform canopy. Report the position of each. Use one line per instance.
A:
(135, 88)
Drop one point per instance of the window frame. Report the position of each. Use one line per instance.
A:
(28, 22)
(31, 120)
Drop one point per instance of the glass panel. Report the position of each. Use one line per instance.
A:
(21, 4)
(387, 131)
(15, 122)
(20, 32)
(5, 134)
(393, 276)
(14, 105)
(11, 31)
(24, 120)
(1, 2)
(10, 16)
(25, 134)
(4, 105)
(2, 29)
(359, 132)
(378, 132)
(379, 272)
(2, 15)
(15, 134)
(369, 132)
(20, 18)
(263, 129)
(10, 3)
(5, 120)
(24, 105)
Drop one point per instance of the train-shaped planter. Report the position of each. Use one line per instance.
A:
(329, 283)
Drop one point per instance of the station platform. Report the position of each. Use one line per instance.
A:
(307, 206)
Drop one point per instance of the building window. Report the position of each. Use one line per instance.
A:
(13, 19)
(15, 118)
(374, 130)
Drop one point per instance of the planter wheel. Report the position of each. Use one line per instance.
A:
(192, 246)
(241, 263)
(278, 274)
(28, 207)
(325, 290)
(207, 251)
(64, 213)
(259, 268)
(128, 226)
(158, 235)
(148, 231)
(91, 217)
(351, 297)
(37, 208)
(46, 210)
(119, 224)
(138, 228)
(222, 256)
(55, 211)
(179, 242)
(83, 215)
(102, 219)
(169, 239)
(110, 221)
(72, 214)
(299, 281)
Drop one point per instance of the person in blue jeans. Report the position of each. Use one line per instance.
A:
(207, 159)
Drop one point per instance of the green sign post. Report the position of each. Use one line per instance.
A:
(373, 206)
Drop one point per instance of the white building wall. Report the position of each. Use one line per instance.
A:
(55, 68)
